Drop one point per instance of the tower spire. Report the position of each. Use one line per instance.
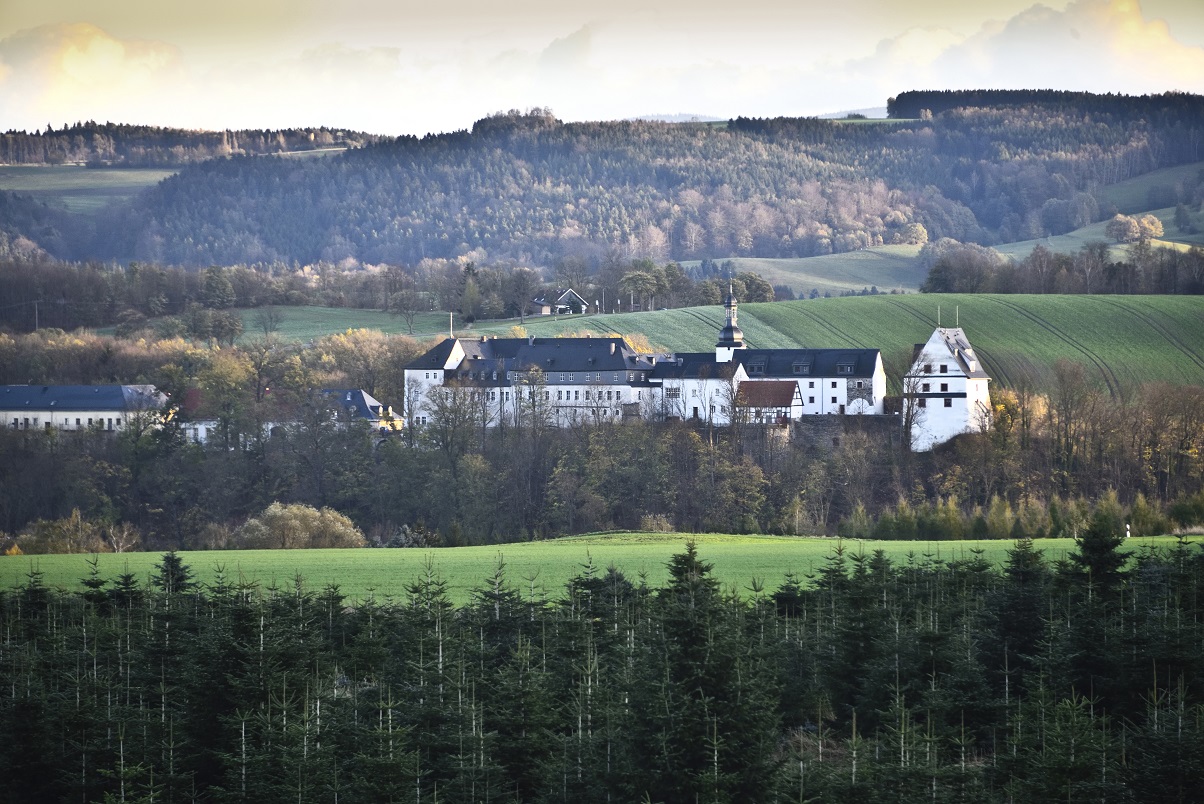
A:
(730, 337)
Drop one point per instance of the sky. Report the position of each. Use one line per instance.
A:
(402, 67)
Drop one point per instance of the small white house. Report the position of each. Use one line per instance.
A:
(945, 390)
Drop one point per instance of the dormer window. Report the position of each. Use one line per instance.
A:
(757, 367)
(844, 368)
(802, 368)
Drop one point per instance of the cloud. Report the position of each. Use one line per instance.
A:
(1096, 45)
(78, 71)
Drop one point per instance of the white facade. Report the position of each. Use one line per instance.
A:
(110, 408)
(945, 390)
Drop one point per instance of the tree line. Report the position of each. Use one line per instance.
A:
(1049, 458)
(142, 297)
(124, 145)
(965, 268)
(869, 680)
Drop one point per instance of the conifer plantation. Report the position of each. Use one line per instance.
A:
(872, 681)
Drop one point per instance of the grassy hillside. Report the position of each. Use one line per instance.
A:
(1122, 340)
(78, 189)
(543, 566)
(1134, 195)
(886, 267)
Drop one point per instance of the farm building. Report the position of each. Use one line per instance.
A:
(77, 407)
(562, 301)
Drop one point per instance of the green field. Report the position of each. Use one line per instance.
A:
(1123, 340)
(1072, 242)
(1133, 195)
(78, 189)
(540, 566)
(886, 267)
(308, 323)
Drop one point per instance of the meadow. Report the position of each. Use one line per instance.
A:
(77, 188)
(1133, 195)
(1122, 340)
(533, 568)
(885, 267)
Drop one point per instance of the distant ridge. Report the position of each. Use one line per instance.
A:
(872, 112)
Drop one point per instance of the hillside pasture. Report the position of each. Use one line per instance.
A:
(885, 267)
(310, 323)
(538, 569)
(77, 188)
(1142, 192)
(1123, 340)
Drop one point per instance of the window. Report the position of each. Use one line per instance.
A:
(811, 384)
(570, 376)
(505, 396)
(944, 386)
(576, 396)
(672, 393)
(925, 387)
(833, 383)
(810, 400)
(921, 403)
(860, 384)
(616, 379)
(802, 368)
(944, 369)
(608, 396)
(77, 422)
(927, 368)
(948, 403)
(844, 368)
(559, 395)
(756, 368)
(495, 375)
(587, 396)
(833, 400)
(631, 376)
(119, 422)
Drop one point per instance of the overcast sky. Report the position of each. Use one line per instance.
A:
(398, 66)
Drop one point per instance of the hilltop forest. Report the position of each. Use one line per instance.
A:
(524, 186)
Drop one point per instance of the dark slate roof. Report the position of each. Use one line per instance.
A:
(767, 394)
(436, 358)
(810, 362)
(550, 355)
(779, 363)
(117, 398)
(691, 366)
(356, 402)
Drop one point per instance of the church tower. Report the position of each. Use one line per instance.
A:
(730, 337)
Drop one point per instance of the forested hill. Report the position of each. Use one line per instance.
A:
(108, 144)
(527, 187)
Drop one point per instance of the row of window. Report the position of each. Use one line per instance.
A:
(944, 368)
(923, 403)
(926, 387)
(25, 424)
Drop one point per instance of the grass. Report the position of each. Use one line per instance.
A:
(1123, 340)
(1133, 195)
(887, 267)
(310, 323)
(79, 189)
(542, 567)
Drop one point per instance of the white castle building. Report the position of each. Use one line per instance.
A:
(588, 379)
